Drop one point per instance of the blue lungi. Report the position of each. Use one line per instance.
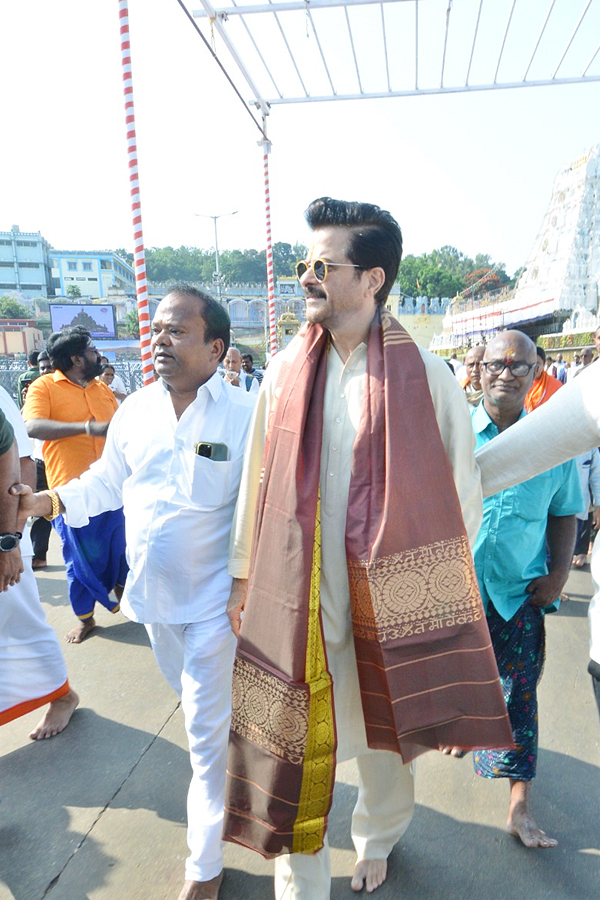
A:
(95, 561)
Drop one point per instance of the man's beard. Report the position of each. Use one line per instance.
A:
(91, 370)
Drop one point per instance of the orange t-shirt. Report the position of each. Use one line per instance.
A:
(56, 397)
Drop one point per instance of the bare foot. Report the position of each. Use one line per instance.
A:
(201, 890)
(580, 560)
(522, 825)
(77, 634)
(56, 718)
(369, 874)
(457, 752)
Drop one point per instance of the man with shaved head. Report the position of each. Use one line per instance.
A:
(518, 585)
(234, 374)
(472, 384)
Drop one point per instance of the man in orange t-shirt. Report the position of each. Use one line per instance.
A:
(544, 384)
(70, 411)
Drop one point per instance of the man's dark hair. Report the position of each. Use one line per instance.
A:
(216, 318)
(43, 355)
(32, 358)
(374, 237)
(541, 353)
(62, 345)
(248, 356)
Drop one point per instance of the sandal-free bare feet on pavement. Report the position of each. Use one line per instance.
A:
(201, 890)
(520, 822)
(369, 874)
(81, 630)
(56, 718)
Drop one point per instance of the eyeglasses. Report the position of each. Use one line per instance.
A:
(320, 268)
(518, 369)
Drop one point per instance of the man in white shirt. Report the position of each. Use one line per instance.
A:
(173, 460)
(234, 374)
(32, 667)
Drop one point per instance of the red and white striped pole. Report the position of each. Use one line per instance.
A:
(139, 255)
(266, 145)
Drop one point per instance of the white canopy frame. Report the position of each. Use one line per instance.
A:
(363, 49)
(496, 36)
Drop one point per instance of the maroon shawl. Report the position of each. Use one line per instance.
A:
(427, 671)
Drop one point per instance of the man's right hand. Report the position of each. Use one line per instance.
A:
(31, 504)
(236, 603)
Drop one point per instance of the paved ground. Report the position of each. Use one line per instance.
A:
(98, 812)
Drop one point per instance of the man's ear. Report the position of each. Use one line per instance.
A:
(376, 279)
(218, 349)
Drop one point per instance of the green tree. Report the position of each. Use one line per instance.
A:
(73, 290)
(10, 308)
(124, 254)
(132, 325)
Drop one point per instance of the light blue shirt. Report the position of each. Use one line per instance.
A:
(510, 550)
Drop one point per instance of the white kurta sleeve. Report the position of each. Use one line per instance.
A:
(454, 421)
(242, 529)
(567, 425)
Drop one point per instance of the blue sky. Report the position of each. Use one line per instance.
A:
(471, 170)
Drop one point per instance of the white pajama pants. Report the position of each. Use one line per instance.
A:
(197, 661)
(382, 814)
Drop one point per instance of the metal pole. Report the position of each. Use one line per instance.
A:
(139, 254)
(266, 145)
(218, 270)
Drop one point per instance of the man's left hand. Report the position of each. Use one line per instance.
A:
(11, 566)
(543, 591)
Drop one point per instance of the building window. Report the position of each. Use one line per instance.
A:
(31, 287)
(26, 244)
(6, 265)
(69, 278)
(80, 278)
(105, 264)
(24, 265)
(87, 267)
(72, 266)
(5, 243)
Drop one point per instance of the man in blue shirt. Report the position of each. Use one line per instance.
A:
(522, 557)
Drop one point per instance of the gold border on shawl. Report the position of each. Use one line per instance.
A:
(318, 769)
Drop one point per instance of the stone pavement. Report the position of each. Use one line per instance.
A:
(98, 812)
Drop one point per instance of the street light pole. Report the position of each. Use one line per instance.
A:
(217, 271)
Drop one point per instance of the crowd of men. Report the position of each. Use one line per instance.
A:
(311, 557)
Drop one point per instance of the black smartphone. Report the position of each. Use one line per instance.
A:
(210, 450)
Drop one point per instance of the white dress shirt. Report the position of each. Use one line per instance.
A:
(178, 505)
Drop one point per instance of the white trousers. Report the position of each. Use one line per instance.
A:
(382, 814)
(197, 661)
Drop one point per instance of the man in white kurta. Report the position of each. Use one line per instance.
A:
(386, 798)
(173, 460)
(32, 667)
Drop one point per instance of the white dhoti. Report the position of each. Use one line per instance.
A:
(32, 667)
(197, 661)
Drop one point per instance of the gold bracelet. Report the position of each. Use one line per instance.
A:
(55, 500)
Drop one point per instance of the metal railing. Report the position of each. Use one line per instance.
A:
(130, 372)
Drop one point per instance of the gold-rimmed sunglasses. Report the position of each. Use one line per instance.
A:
(320, 268)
